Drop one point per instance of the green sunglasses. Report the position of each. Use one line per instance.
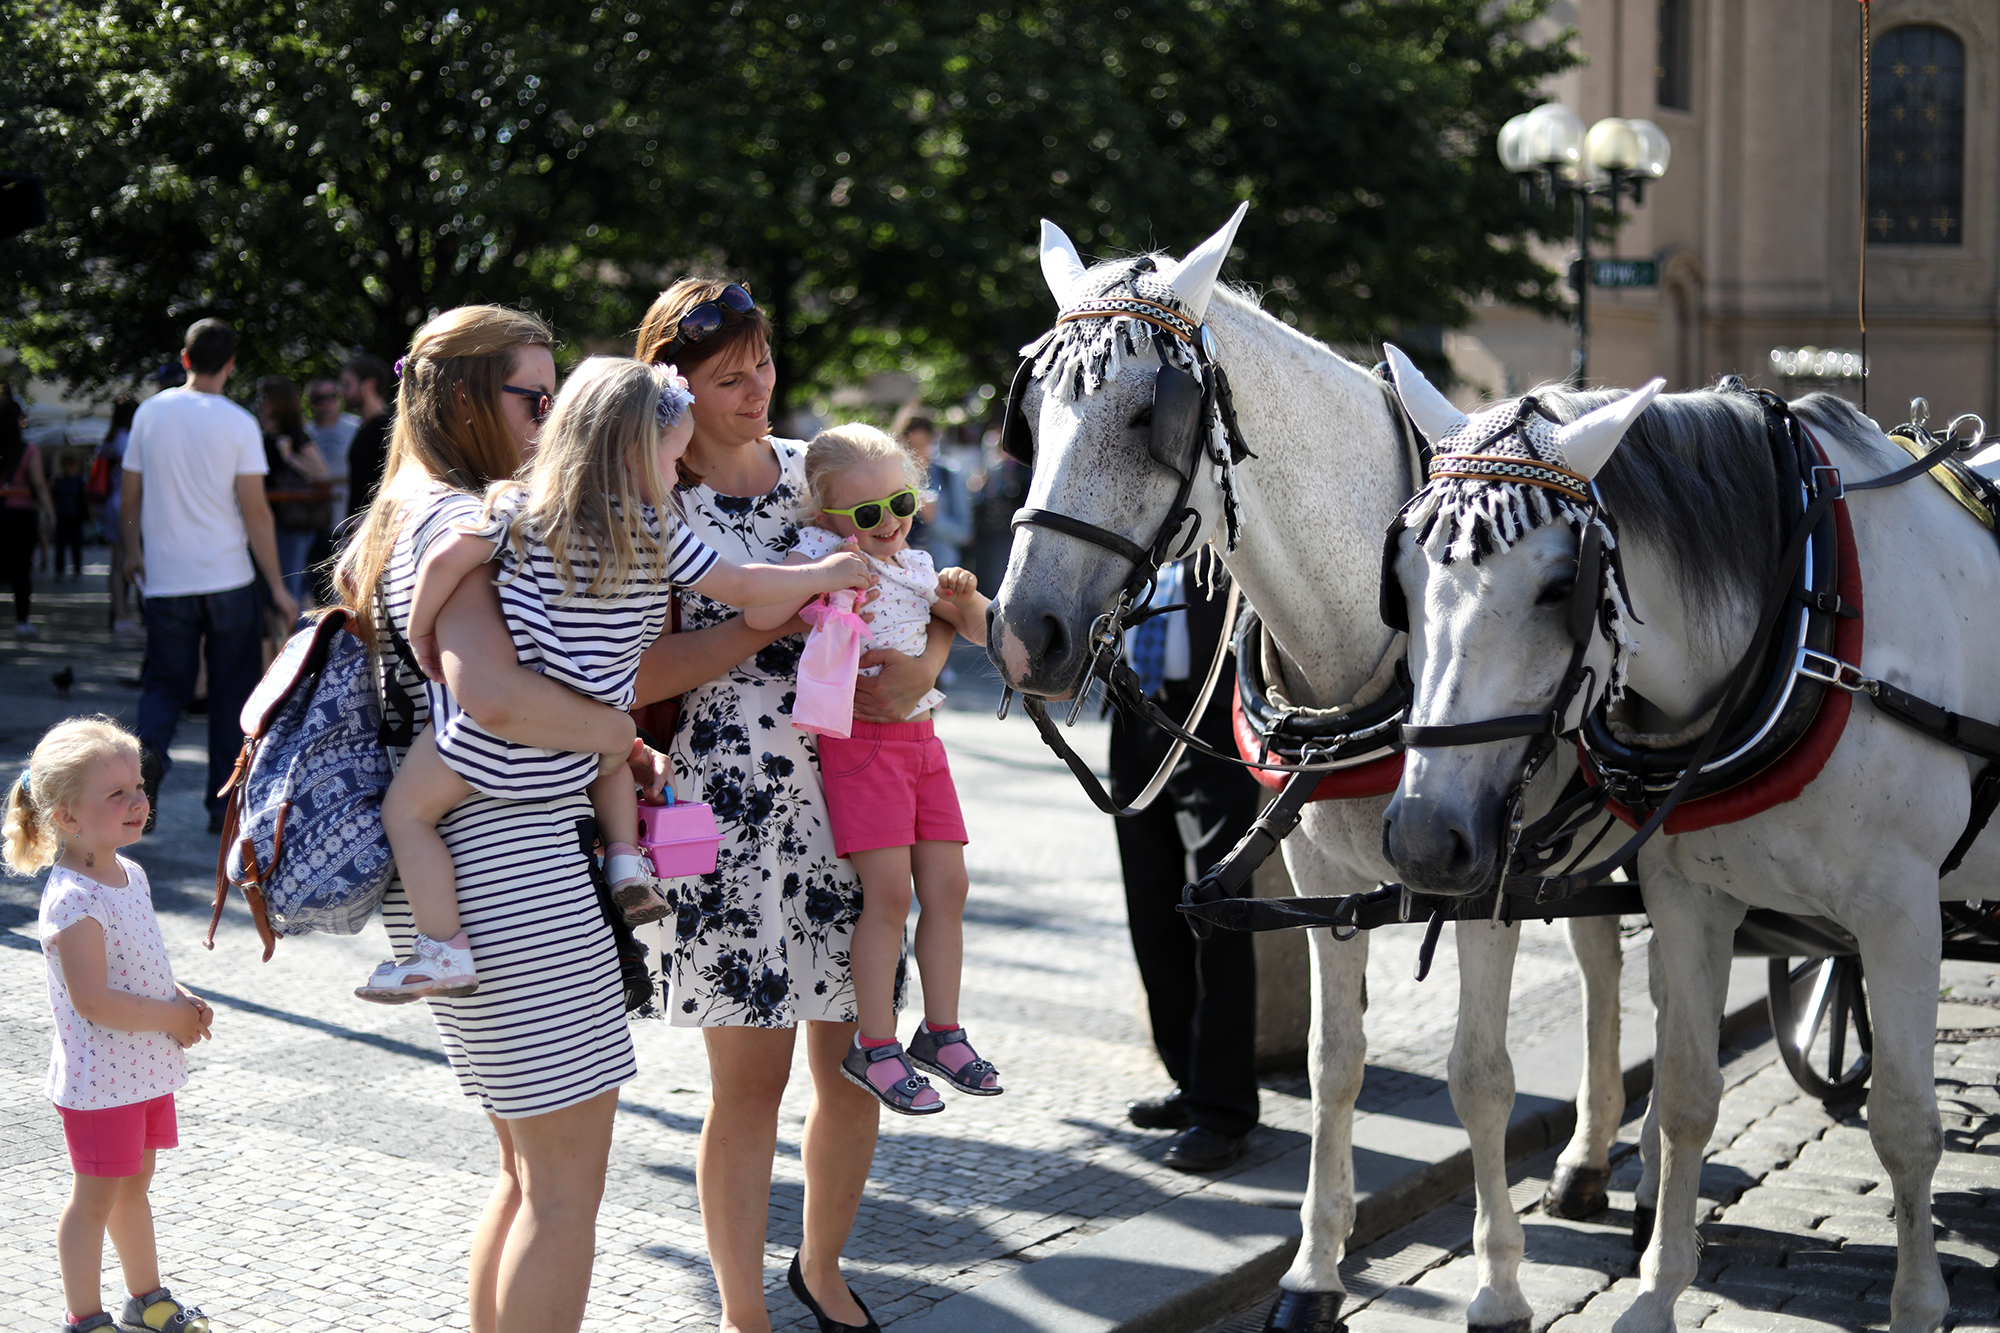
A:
(872, 514)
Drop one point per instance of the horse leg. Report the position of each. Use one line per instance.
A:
(1580, 1185)
(1310, 1293)
(1694, 926)
(1646, 1195)
(1482, 1092)
(1899, 957)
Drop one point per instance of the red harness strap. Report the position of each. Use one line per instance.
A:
(1795, 770)
(1377, 777)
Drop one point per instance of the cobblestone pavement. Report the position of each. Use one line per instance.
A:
(330, 1172)
(1796, 1233)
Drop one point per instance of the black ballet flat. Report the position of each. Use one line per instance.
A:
(797, 1282)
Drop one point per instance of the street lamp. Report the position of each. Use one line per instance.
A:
(1613, 157)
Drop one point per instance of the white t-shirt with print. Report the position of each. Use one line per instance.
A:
(905, 592)
(191, 447)
(92, 1067)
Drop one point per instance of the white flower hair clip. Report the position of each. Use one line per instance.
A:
(675, 399)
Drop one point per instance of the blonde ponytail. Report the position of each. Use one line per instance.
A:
(57, 772)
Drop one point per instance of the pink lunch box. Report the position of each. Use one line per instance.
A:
(680, 837)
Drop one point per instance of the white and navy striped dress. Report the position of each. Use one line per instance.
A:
(546, 1029)
(591, 643)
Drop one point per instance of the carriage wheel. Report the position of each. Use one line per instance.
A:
(1819, 1015)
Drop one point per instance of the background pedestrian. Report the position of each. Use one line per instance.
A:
(944, 524)
(112, 451)
(71, 509)
(296, 484)
(333, 431)
(194, 519)
(366, 384)
(25, 508)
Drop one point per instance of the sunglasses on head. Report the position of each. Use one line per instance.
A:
(544, 404)
(872, 514)
(702, 321)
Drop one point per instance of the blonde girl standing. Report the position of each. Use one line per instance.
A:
(116, 1061)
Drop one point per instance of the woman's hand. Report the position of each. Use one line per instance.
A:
(424, 647)
(891, 696)
(650, 769)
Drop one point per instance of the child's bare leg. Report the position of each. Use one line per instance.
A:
(80, 1242)
(130, 1227)
(873, 951)
(941, 886)
(617, 807)
(877, 943)
(939, 870)
(424, 792)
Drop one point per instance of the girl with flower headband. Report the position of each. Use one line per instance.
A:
(590, 552)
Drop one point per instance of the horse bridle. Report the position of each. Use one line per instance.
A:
(1531, 850)
(1185, 410)
(1596, 566)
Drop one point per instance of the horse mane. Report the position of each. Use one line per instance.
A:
(1694, 478)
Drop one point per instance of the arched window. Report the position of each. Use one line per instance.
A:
(1916, 137)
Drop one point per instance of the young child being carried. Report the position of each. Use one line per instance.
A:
(889, 794)
(591, 552)
(122, 1020)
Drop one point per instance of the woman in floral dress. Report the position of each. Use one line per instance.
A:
(760, 944)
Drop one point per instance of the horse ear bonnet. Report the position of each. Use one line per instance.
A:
(1179, 417)
(1017, 437)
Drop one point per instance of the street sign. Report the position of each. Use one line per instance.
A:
(1625, 273)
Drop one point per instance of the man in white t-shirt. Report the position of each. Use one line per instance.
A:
(194, 515)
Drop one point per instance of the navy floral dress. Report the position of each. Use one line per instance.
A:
(762, 941)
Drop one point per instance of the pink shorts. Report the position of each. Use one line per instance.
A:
(888, 785)
(115, 1140)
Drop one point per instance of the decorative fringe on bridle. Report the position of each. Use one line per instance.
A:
(1463, 518)
(1080, 356)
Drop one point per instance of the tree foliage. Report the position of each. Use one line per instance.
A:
(328, 175)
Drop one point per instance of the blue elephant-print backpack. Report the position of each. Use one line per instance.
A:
(302, 829)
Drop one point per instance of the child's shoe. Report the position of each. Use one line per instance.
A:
(911, 1094)
(90, 1323)
(434, 968)
(950, 1056)
(159, 1312)
(635, 890)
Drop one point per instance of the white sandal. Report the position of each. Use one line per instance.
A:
(635, 890)
(434, 968)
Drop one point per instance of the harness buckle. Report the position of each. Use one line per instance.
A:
(1830, 670)
(1832, 476)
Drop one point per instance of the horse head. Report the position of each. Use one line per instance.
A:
(1485, 564)
(1115, 408)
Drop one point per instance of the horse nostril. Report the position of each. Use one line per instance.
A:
(1460, 859)
(1055, 644)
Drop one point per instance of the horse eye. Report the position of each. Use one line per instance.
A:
(1142, 419)
(1557, 590)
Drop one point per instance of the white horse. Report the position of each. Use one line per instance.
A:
(1330, 467)
(1701, 520)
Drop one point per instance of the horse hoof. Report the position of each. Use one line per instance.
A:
(1642, 1227)
(1577, 1192)
(1511, 1326)
(1306, 1312)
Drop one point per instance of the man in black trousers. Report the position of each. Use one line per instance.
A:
(1202, 997)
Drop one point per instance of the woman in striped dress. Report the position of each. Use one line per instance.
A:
(761, 945)
(542, 1045)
